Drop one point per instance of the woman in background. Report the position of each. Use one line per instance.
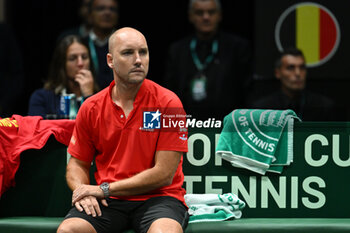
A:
(70, 73)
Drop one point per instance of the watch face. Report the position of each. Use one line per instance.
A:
(105, 188)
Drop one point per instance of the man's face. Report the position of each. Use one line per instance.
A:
(292, 73)
(205, 16)
(104, 14)
(129, 58)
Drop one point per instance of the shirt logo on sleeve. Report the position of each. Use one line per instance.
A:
(73, 140)
(151, 120)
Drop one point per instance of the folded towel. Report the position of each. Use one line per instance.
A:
(213, 207)
(258, 140)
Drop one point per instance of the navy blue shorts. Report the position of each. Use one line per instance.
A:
(121, 215)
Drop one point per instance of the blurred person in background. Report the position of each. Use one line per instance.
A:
(210, 69)
(70, 72)
(291, 71)
(103, 15)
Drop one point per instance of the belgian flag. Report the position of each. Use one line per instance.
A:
(313, 29)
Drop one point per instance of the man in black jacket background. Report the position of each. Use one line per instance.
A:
(210, 69)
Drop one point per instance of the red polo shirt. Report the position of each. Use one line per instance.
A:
(124, 147)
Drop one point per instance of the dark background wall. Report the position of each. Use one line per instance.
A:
(37, 23)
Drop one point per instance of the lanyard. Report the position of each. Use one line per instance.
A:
(93, 55)
(209, 58)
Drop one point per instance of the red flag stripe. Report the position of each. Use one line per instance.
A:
(328, 34)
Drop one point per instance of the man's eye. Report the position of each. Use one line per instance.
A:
(198, 12)
(127, 52)
(212, 12)
(143, 52)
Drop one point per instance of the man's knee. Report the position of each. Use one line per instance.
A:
(75, 225)
(165, 225)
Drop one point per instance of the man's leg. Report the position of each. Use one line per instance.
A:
(167, 225)
(114, 219)
(160, 214)
(75, 225)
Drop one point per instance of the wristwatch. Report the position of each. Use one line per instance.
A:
(105, 189)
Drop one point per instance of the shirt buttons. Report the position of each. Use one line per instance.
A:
(121, 116)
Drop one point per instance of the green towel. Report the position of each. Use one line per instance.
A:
(258, 140)
(213, 207)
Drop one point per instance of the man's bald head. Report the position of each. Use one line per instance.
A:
(128, 56)
(122, 35)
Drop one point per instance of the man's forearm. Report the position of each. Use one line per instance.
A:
(141, 183)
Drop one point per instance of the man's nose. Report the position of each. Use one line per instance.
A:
(137, 58)
(297, 71)
(206, 15)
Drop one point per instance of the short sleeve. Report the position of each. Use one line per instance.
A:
(173, 134)
(81, 144)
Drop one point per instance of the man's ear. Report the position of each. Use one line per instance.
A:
(110, 61)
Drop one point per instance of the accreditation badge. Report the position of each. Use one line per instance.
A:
(198, 88)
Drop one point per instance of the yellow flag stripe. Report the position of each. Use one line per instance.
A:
(308, 32)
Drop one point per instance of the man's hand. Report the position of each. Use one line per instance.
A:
(86, 82)
(90, 205)
(85, 197)
(85, 190)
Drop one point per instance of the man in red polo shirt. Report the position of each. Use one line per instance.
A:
(138, 157)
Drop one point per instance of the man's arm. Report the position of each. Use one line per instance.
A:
(77, 176)
(161, 174)
(166, 163)
(77, 173)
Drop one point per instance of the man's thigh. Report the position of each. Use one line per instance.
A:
(115, 217)
(159, 208)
